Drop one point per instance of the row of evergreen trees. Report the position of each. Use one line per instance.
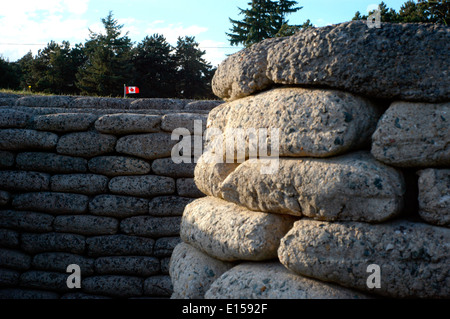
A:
(422, 11)
(108, 60)
(267, 18)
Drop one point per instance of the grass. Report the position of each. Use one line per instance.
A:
(23, 92)
(32, 93)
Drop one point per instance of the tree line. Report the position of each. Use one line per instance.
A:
(267, 18)
(108, 60)
(422, 11)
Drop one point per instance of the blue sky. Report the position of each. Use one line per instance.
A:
(30, 24)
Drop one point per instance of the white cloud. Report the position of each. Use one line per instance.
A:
(97, 27)
(173, 31)
(27, 7)
(130, 26)
(372, 7)
(157, 22)
(38, 22)
(216, 52)
(77, 6)
(321, 22)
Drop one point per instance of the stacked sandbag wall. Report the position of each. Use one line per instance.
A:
(358, 205)
(90, 182)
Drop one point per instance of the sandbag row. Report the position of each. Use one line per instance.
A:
(356, 204)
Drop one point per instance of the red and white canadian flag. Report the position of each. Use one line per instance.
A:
(132, 90)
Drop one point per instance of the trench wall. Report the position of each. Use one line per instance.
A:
(91, 182)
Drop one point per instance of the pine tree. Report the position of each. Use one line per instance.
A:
(53, 69)
(155, 67)
(9, 77)
(438, 11)
(264, 19)
(283, 8)
(108, 66)
(194, 74)
(25, 75)
(412, 12)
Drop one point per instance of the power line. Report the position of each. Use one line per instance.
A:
(47, 43)
(23, 43)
